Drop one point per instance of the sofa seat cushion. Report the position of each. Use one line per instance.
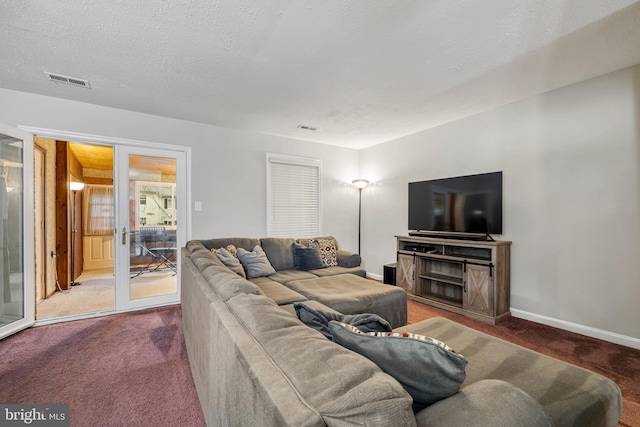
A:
(571, 395)
(286, 276)
(290, 308)
(341, 386)
(351, 294)
(336, 269)
(486, 403)
(277, 291)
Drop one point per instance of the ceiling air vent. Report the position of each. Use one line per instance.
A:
(305, 127)
(66, 79)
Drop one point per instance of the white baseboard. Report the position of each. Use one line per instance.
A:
(374, 276)
(579, 329)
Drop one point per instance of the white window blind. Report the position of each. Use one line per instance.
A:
(293, 196)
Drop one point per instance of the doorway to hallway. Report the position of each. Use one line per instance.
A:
(94, 266)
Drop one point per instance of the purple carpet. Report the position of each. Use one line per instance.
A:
(132, 369)
(123, 370)
(619, 363)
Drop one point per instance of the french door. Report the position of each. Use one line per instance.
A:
(17, 291)
(151, 218)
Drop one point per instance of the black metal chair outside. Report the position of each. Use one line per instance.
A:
(158, 245)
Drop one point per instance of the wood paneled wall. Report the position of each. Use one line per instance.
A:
(67, 169)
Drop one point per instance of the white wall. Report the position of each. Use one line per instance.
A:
(570, 160)
(228, 167)
(571, 197)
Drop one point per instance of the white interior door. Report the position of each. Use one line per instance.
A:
(17, 287)
(150, 225)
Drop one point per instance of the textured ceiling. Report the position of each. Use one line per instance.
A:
(361, 72)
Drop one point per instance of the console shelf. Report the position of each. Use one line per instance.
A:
(467, 277)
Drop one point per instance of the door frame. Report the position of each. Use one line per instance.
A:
(28, 284)
(115, 142)
(39, 209)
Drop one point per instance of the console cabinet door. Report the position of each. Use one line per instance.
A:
(405, 273)
(479, 289)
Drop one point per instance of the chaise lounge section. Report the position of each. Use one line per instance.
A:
(341, 287)
(255, 363)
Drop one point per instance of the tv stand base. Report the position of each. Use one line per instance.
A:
(464, 276)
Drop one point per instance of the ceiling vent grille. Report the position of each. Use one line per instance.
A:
(59, 78)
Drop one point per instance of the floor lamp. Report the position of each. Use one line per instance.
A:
(74, 186)
(360, 184)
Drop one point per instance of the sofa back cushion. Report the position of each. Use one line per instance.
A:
(279, 251)
(228, 284)
(238, 242)
(222, 280)
(342, 386)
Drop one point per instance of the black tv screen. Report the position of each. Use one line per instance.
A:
(469, 204)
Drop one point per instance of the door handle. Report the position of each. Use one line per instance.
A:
(124, 235)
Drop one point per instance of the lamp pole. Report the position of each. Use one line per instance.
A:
(75, 186)
(359, 217)
(360, 184)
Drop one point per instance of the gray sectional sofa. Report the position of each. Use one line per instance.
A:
(254, 363)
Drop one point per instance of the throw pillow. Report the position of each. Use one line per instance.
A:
(255, 263)
(230, 248)
(319, 320)
(328, 250)
(231, 261)
(306, 258)
(427, 368)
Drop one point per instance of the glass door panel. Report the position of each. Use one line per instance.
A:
(150, 226)
(152, 229)
(16, 298)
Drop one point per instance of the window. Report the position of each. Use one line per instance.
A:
(293, 196)
(98, 210)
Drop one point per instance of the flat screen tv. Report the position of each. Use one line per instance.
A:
(464, 204)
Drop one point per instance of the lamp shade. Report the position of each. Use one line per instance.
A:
(75, 186)
(360, 183)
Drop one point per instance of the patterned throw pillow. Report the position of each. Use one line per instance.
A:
(427, 368)
(328, 250)
(229, 258)
(255, 263)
